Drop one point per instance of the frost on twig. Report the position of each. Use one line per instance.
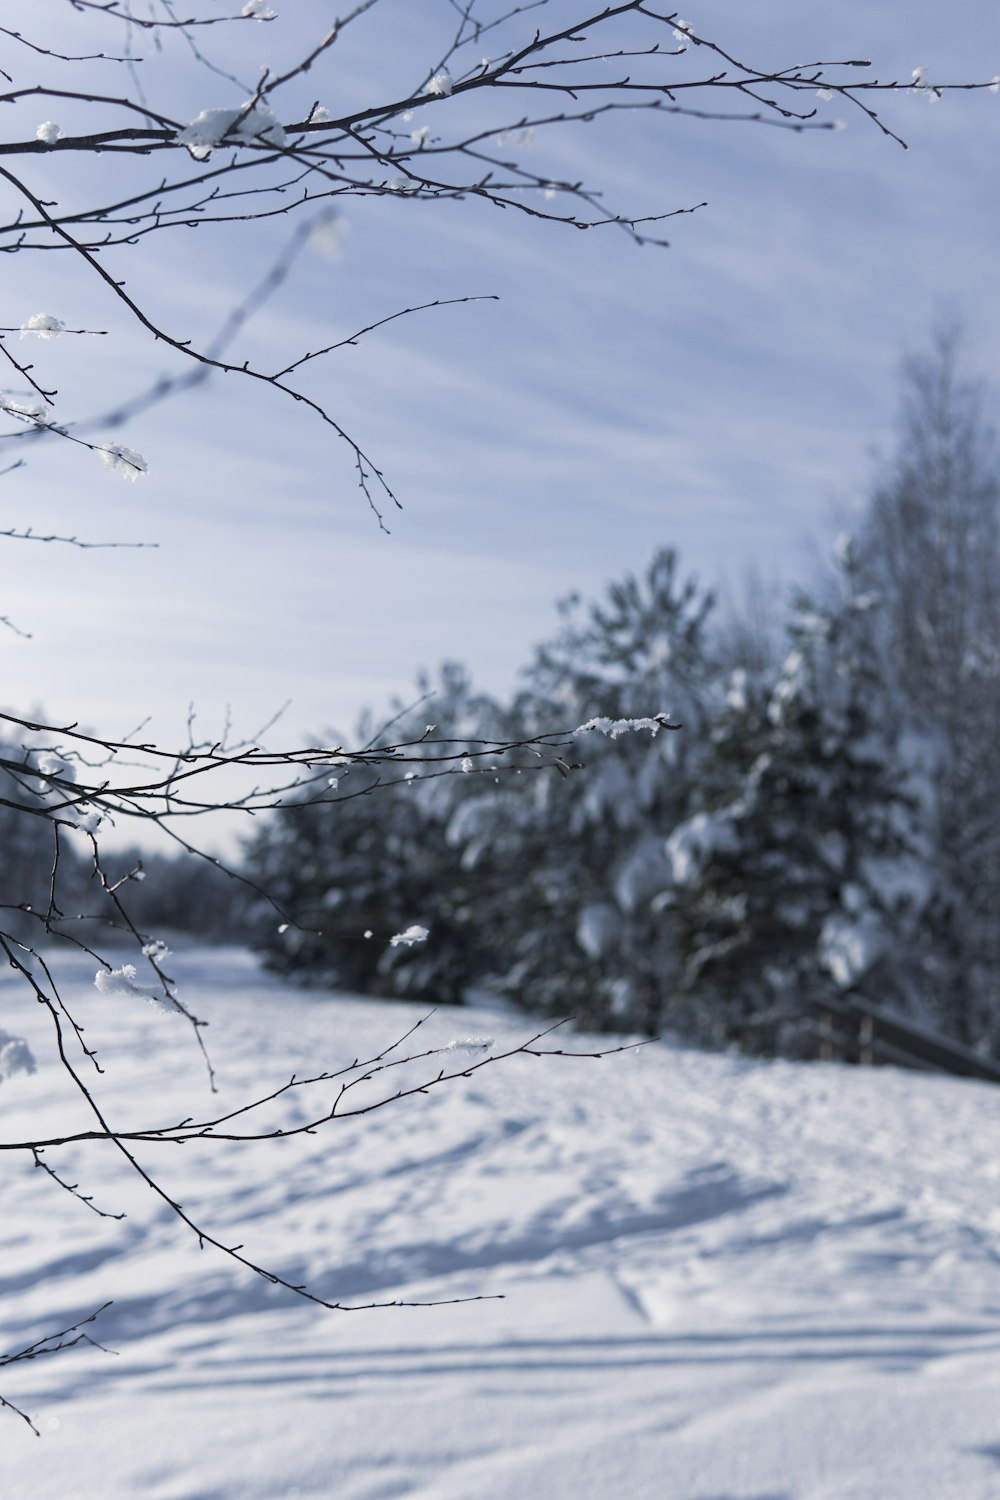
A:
(614, 728)
(123, 982)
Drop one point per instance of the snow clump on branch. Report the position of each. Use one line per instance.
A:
(51, 765)
(259, 10)
(56, 772)
(48, 133)
(210, 128)
(414, 934)
(82, 815)
(44, 325)
(441, 84)
(128, 463)
(26, 411)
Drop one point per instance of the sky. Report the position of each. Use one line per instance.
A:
(725, 396)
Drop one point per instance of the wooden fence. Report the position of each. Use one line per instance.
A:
(854, 1031)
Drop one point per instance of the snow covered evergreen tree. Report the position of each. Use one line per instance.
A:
(361, 858)
(568, 864)
(808, 868)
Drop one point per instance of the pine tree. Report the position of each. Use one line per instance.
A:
(362, 857)
(808, 868)
(568, 864)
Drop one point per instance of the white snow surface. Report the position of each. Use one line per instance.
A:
(721, 1279)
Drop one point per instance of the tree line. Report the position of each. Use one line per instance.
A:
(823, 824)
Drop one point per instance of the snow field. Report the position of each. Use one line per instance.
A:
(720, 1280)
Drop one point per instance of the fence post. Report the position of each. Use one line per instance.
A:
(827, 1051)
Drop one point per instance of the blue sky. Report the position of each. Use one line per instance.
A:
(721, 396)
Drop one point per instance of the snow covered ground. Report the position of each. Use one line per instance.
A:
(720, 1280)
